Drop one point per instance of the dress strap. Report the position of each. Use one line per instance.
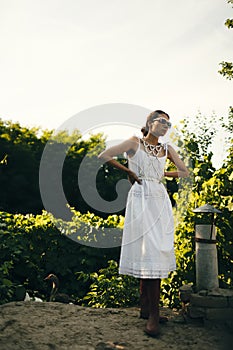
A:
(165, 146)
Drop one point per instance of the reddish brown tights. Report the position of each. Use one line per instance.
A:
(150, 296)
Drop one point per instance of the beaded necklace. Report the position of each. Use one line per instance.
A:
(152, 149)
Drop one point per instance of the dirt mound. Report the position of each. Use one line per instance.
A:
(42, 326)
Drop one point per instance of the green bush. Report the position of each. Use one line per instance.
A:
(109, 289)
(32, 247)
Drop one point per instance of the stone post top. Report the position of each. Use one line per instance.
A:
(207, 208)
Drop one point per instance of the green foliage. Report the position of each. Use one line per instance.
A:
(21, 149)
(197, 135)
(90, 229)
(194, 144)
(32, 247)
(109, 289)
(229, 23)
(218, 191)
(4, 160)
(227, 125)
(226, 70)
(227, 67)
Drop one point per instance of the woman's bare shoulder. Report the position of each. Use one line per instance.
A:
(135, 138)
(133, 143)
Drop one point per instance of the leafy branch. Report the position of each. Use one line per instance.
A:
(227, 67)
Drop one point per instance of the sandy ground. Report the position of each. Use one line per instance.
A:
(42, 326)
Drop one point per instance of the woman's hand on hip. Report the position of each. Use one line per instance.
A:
(133, 178)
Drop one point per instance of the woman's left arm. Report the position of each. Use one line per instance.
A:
(182, 170)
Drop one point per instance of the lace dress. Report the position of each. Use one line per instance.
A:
(147, 249)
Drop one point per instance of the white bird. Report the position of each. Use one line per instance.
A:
(28, 298)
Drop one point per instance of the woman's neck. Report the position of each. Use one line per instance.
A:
(153, 140)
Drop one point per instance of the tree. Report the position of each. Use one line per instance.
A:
(227, 67)
(21, 149)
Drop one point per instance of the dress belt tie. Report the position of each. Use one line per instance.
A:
(150, 179)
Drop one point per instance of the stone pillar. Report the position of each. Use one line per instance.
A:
(206, 258)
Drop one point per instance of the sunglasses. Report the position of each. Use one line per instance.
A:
(162, 121)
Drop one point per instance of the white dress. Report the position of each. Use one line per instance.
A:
(147, 249)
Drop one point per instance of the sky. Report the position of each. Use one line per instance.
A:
(60, 57)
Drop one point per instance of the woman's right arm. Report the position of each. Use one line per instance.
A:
(127, 146)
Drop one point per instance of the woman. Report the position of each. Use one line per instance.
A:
(147, 250)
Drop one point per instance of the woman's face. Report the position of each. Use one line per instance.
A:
(159, 126)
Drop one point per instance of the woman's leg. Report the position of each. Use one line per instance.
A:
(153, 293)
(144, 303)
